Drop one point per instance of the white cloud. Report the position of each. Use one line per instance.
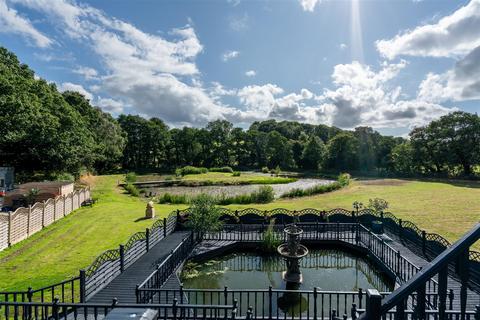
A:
(309, 5)
(231, 54)
(239, 23)
(68, 86)
(12, 22)
(343, 46)
(250, 73)
(453, 35)
(364, 97)
(87, 72)
(110, 105)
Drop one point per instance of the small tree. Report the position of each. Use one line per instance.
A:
(204, 215)
(377, 204)
(31, 196)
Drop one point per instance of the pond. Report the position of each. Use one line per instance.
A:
(235, 190)
(326, 269)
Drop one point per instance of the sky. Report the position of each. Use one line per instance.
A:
(388, 64)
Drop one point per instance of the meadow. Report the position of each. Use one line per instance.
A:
(60, 250)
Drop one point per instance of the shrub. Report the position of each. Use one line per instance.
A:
(190, 170)
(236, 174)
(173, 198)
(131, 189)
(64, 176)
(377, 204)
(168, 178)
(264, 194)
(221, 169)
(344, 179)
(204, 215)
(270, 240)
(131, 177)
(265, 170)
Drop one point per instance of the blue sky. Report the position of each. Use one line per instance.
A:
(389, 64)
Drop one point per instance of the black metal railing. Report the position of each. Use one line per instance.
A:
(164, 270)
(457, 254)
(86, 311)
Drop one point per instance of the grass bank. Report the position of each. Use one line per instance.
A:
(60, 250)
(225, 178)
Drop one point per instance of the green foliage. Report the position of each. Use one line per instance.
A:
(236, 174)
(204, 215)
(221, 169)
(264, 194)
(342, 152)
(131, 177)
(64, 176)
(270, 240)
(173, 198)
(265, 170)
(31, 196)
(344, 179)
(377, 204)
(132, 189)
(313, 153)
(190, 170)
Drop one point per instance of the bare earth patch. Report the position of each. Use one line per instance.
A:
(384, 182)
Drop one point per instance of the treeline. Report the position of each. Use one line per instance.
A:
(43, 130)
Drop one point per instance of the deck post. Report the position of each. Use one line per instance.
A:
(270, 302)
(400, 228)
(442, 292)
(164, 227)
(83, 282)
(424, 242)
(421, 301)
(373, 305)
(121, 249)
(147, 239)
(315, 296)
(463, 270)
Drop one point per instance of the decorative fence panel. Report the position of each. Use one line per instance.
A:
(35, 223)
(48, 212)
(23, 222)
(4, 223)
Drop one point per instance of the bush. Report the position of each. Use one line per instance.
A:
(377, 204)
(204, 215)
(265, 170)
(131, 189)
(270, 240)
(264, 194)
(173, 198)
(168, 178)
(64, 176)
(344, 179)
(190, 170)
(222, 169)
(131, 177)
(236, 174)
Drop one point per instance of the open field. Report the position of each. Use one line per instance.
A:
(446, 208)
(60, 250)
(222, 178)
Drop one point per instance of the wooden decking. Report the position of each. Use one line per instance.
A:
(123, 286)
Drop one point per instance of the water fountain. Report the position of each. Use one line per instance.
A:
(292, 251)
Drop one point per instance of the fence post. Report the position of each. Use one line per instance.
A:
(43, 215)
(270, 301)
(10, 229)
(55, 308)
(477, 313)
(399, 256)
(164, 227)
(83, 282)
(147, 239)
(373, 305)
(315, 296)
(28, 220)
(400, 228)
(121, 249)
(174, 308)
(424, 242)
(353, 311)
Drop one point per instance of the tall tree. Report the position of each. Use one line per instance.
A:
(313, 153)
(342, 152)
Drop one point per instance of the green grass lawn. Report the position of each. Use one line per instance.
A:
(60, 250)
(449, 209)
(223, 177)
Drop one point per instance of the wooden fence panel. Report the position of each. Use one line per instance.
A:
(4, 218)
(59, 207)
(68, 204)
(48, 212)
(75, 199)
(36, 218)
(19, 225)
